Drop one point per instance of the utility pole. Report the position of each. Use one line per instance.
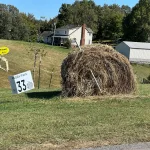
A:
(39, 34)
(54, 32)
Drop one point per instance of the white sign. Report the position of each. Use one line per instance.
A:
(21, 82)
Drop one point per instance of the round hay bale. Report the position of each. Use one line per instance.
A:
(98, 70)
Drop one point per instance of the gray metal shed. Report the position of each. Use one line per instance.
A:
(136, 52)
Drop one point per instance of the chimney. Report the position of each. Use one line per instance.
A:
(82, 42)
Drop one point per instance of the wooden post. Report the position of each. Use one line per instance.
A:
(39, 78)
(6, 62)
(34, 66)
(51, 77)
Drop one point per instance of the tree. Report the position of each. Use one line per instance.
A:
(136, 25)
(46, 26)
(110, 22)
(64, 15)
(79, 12)
(32, 26)
(126, 9)
(85, 11)
(5, 22)
(15, 25)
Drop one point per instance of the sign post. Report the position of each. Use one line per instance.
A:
(21, 82)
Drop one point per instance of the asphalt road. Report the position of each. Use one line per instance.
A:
(136, 146)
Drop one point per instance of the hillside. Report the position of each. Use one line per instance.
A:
(20, 60)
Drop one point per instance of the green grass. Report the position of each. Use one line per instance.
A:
(20, 61)
(42, 118)
(144, 89)
(141, 71)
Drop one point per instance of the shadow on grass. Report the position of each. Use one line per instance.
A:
(44, 95)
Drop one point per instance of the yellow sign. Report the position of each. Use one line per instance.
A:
(4, 50)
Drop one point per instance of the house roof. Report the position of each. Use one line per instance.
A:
(46, 33)
(75, 26)
(68, 27)
(61, 36)
(89, 30)
(137, 45)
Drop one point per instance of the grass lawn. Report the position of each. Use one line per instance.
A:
(43, 120)
(141, 71)
(21, 59)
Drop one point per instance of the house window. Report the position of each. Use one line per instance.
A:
(89, 34)
(65, 32)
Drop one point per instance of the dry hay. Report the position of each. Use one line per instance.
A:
(112, 71)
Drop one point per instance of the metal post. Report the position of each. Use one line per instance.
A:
(78, 45)
(96, 81)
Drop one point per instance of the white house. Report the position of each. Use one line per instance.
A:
(82, 34)
(136, 52)
(46, 37)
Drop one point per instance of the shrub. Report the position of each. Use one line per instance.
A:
(67, 44)
(148, 78)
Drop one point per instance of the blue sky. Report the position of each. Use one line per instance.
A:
(50, 8)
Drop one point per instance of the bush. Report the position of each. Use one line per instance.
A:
(67, 44)
(148, 78)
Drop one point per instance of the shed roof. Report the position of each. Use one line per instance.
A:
(138, 45)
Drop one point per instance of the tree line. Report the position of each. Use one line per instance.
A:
(107, 21)
(15, 25)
